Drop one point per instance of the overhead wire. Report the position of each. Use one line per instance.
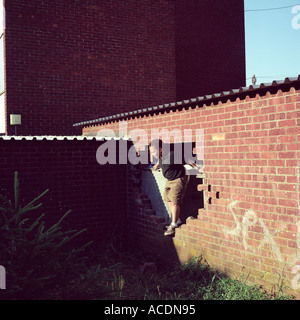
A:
(268, 9)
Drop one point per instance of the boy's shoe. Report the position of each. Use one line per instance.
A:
(178, 224)
(170, 231)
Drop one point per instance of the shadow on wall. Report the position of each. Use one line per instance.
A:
(77, 182)
(193, 200)
(149, 214)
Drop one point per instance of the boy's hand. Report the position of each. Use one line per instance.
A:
(194, 165)
(155, 167)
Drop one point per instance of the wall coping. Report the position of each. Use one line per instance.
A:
(252, 89)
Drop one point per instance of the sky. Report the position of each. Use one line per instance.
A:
(272, 40)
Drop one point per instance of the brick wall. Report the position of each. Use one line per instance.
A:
(76, 181)
(72, 61)
(76, 60)
(210, 47)
(250, 220)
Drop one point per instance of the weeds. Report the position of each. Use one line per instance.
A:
(191, 281)
(36, 258)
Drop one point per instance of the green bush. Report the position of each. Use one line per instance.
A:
(37, 259)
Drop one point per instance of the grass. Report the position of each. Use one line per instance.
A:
(116, 276)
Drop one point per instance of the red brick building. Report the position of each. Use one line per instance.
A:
(72, 61)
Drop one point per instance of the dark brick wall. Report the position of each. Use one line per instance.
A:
(210, 47)
(76, 181)
(69, 61)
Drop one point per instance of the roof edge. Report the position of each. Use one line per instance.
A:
(60, 138)
(221, 95)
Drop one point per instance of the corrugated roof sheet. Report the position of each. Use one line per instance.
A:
(222, 94)
(58, 138)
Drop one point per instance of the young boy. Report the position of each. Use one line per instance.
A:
(176, 180)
